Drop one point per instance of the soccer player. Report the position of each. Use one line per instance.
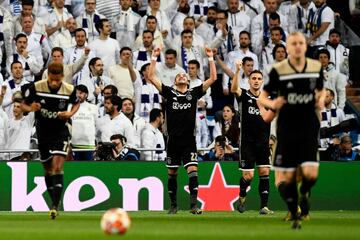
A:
(255, 135)
(298, 85)
(49, 99)
(180, 112)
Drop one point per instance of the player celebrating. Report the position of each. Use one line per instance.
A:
(180, 112)
(298, 84)
(254, 138)
(50, 98)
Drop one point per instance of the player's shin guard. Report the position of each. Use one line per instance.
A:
(172, 188)
(264, 189)
(49, 186)
(58, 183)
(289, 194)
(306, 185)
(193, 187)
(244, 184)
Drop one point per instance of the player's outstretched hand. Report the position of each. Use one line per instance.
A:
(64, 115)
(208, 51)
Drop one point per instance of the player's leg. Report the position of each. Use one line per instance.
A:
(48, 177)
(192, 172)
(263, 166)
(58, 178)
(246, 165)
(264, 189)
(245, 181)
(172, 189)
(285, 181)
(309, 177)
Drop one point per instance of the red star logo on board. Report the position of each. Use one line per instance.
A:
(217, 195)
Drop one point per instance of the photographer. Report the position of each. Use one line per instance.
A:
(116, 150)
(222, 151)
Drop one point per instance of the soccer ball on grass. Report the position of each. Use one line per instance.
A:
(115, 221)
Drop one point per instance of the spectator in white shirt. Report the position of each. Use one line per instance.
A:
(66, 38)
(105, 47)
(260, 26)
(114, 122)
(238, 20)
(126, 25)
(206, 25)
(95, 81)
(152, 137)
(138, 122)
(321, 23)
(300, 16)
(12, 85)
(252, 8)
(83, 125)
(57, 19)
(168, 70)
(266, 53)
(32, 64)
(123, 75)
(339, 54)
(143, 55)
(179, 16)
(163, 21)
(333, 79)
(88, 20)
(151, 25)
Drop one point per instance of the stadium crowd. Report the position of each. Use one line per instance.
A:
(106, 48)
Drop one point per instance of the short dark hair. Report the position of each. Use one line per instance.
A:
(323, 51)
(93, 61)
(100, 24)
(82, 88)
(57, 49)
(13, 63)
(196, 62)
(334, 30)
(127, 99)
(125, 49)
(27, 3)
(186, 31)
(277, 28)
(256, 71)
(245, 32)
(171, 51)
(115, 100)
(331, 92)
(213, 8)
(189, 17)
(274, 16)
(247, 59)
(276, 47)
(20, 35)
(120, 137)
(114, 90)
(151, 17)
(155, 113)
(224, 12)
(56, 68)
(80, 30)
(143, 68)
(148, 31)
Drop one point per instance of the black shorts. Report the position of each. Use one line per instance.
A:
(293, 150)
(254, 153)
(181, 151)
(48, 148)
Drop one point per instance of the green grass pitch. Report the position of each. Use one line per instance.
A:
(159, 225)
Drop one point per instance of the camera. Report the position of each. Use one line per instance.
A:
(104, 151)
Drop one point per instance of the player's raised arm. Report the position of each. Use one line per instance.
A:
(156, 82)
(235, 84)
(213, 73)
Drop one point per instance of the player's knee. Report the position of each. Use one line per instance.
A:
(191, 169)
(264, 171)
(172, 176)
(248, 175)
(172, 171)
